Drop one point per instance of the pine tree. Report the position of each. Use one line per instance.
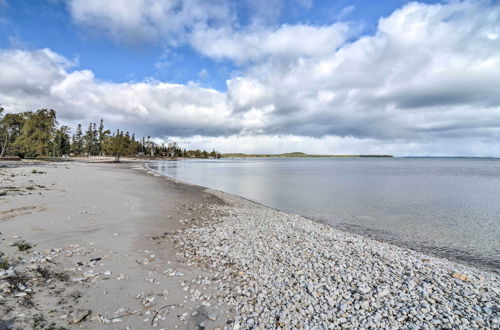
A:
(61, 142)
(77, 141)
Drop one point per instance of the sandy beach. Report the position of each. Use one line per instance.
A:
(99, 236)
(115, 246)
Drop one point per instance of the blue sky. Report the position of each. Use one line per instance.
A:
(338, 76)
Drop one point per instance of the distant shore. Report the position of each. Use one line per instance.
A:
(111, 244)
(300, 155)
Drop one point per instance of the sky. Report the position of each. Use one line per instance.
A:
(331, 77)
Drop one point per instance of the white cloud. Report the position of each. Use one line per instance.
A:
(428, 70)
(285, 42)
(339, 145)
(136, 21)
(424, 82)
(39, 79)
(210, 27)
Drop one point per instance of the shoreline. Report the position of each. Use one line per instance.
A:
(407, 288)
(366, 234)
(373, 284)
(216, 260)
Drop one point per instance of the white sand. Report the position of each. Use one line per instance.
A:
(108, 211)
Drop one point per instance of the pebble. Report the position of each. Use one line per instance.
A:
(80, 315)
(279, 268)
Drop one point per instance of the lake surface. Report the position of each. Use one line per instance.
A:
(446, 207)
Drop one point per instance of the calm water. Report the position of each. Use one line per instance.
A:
(448, 207)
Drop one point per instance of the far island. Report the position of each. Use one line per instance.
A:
(297, 154)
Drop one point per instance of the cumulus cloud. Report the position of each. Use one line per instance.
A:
(41, 78)
(210, 27)
(429, 69)
(137, 21)
(424, 82)
(285, 42)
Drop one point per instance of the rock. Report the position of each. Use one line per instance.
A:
(80, 315)
(459, 276)
(383, 293)
(287, 271)
(364, 289)
(364, 305)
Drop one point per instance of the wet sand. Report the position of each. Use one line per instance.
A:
(100, 236)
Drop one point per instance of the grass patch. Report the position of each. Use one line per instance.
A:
(46, 274)
(4, 264)
(23, 245)
(3, 193)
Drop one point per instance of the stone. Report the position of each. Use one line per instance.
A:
(364, 289)
(459, 276)
(80, 315)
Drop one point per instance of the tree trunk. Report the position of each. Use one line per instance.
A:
(4, 145)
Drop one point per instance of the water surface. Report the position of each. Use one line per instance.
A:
(447, 207)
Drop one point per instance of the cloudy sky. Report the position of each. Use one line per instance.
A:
(332, 76)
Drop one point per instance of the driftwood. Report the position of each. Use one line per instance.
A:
(132, 313)
(158, 312)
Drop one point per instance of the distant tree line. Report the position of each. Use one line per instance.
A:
(37, 134)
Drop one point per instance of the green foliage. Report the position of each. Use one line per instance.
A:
(4, 264)
(37, 133)
(120, 144)
(61, 144)
(23, 245)
(10, 129)
(90, 140)
(77, 141)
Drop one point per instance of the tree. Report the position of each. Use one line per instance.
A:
(119, 144)
(101, 135)
(10, 129)
(61, 142)
(37, 133)
(91, 140)
(150, 146)
(77, 141)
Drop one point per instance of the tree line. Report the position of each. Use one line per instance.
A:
(38, 134)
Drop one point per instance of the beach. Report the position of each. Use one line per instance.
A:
(117, 246)
(100, 239)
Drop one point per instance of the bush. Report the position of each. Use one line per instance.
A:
(23, 245)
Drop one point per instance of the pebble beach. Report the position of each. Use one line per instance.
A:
(285, 271)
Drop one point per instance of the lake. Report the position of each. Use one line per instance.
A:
(448, 207)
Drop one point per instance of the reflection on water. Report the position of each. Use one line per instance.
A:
(449, 207)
